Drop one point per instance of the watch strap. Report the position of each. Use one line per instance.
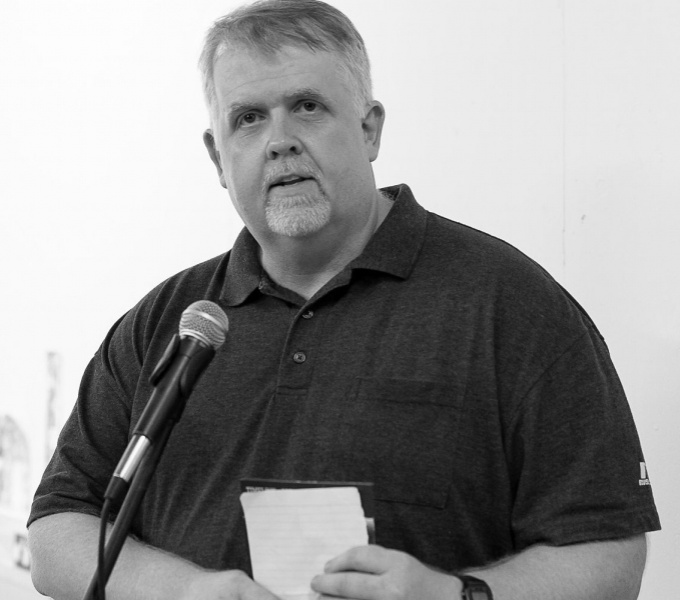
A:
(474, 588)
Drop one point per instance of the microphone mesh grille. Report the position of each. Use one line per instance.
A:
(206, 321)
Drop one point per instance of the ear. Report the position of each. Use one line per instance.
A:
(372, 125)
(209, 141)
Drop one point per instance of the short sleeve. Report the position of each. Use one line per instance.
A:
(575, 454)
(96, 432)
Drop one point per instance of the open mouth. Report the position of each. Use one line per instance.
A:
(291, 180)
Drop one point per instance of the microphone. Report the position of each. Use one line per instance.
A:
(202, 330)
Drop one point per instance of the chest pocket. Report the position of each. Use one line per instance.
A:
(400, 434)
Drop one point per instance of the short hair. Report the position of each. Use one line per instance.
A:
(269, 25)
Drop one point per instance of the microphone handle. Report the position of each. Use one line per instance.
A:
(191, 357)
(174, 378)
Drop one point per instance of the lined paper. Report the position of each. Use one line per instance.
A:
(292, 533)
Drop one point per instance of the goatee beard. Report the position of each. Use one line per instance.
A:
(297, 216)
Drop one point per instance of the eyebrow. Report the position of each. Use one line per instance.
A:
(308, 93)
(236, 108)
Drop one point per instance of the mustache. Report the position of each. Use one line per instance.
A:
(279, 170)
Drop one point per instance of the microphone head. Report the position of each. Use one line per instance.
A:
(205, 321)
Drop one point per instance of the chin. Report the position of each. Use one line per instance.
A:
(298, 222)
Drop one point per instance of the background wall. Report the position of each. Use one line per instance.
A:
(553, 124)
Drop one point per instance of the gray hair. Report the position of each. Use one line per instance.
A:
(268, 25)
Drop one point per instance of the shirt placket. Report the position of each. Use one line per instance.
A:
(299, 357)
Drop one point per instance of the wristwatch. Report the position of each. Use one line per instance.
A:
(474, 589)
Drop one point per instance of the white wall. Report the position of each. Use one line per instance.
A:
(552, 124)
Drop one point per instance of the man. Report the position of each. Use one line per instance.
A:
(370, 340)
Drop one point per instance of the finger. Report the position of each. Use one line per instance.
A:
(365, 559)
(358, 586)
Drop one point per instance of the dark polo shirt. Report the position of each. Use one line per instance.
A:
(442, 364)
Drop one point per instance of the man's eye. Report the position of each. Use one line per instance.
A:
(310, 106)
(248, 119)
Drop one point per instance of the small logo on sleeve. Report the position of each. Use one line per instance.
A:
(644, 479)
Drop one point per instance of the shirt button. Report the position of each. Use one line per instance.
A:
(299, 357)
(308, 315)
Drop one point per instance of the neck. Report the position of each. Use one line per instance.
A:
(304, 265)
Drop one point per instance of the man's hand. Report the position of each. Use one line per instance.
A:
(376, 573)
(606, 570)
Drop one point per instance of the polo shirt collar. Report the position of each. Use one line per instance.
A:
(393, 249)
(395, 246)
(244, 271)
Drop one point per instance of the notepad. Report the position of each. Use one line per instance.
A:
(292, 533)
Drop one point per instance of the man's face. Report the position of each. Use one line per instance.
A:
(289, 144)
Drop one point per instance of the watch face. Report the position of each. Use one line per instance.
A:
(476, 589)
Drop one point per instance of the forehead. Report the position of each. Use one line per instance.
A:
(246, 74)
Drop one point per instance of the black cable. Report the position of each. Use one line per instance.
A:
(125, 515)
(101, 571)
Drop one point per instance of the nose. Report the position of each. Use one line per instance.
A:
(282, 141)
